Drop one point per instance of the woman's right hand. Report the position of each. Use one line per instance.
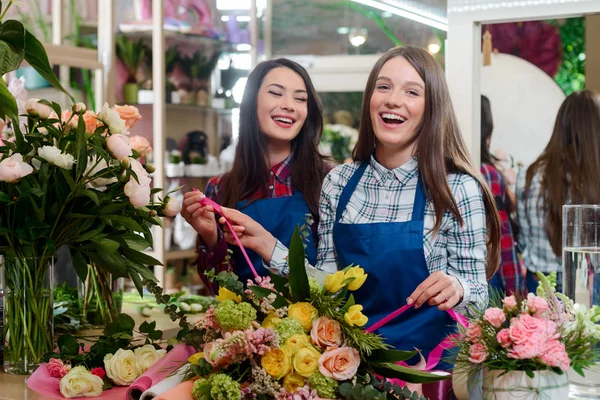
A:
(200, 217)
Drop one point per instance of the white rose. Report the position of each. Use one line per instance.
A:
(92, 169)
(113, 120)
(122, 367)
(13, 168)
(80, 382)
(147, 355)
(37, 109)
(172, 207)
(54, 156)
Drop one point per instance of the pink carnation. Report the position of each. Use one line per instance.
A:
(510, 303)
(57, 369)
(495, 317)
(536, 305)
(478, 353)
(503, 338)
(555, 355)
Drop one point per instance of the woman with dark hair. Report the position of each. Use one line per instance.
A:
(508, 279)
(565, 173)
(277, 171)
(412, 210)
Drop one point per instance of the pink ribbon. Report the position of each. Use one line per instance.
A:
(205, 201)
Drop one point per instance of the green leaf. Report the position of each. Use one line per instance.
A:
(137, 281)
(135, 241)
(92, 195)
(8, 104)
(142, 270)
(349, 303)
(345, 389)
(126, 222)
(12, 43)
(406, 374)
(4, 198)
(139, 257)
(107, 245)
(155, 335)
(264, 292)
(112, 262)
(36, 56)
(392, 356)
(125, 322)
(91, 234)
(146, 327)
(299, 287)
(66, 174)
(68, 345)
(280, 283)
(80, 264)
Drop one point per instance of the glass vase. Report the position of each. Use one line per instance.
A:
(581, 278)
(28, 326)
(102, 297)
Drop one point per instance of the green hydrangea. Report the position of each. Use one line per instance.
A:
(315, 287)
(234, 316)
(201, 389)
(288, 328)
(324, 386)
(224, 388)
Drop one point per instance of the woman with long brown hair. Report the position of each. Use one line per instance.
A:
(277, 170)
(412, 210)
(565, 173)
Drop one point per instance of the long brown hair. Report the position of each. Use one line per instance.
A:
(570, 163)
(250, 171)
(440, 148)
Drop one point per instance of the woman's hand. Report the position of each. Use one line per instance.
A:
(251, 234)
(200, 217)
(439, 289)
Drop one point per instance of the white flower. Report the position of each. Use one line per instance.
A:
(138, 191)
(118, 145)
(80, 382)
(172, 207)
(13, 168)
(113, 120)
(122, 367)
(92, 169)
(37, 109)
(54, 156)
(79, 108)
(147, 355)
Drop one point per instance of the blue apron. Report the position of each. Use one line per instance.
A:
(393, 256)
(279, 216)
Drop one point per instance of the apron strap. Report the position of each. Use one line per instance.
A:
(208, 202)
(349, 189)
(420, 201)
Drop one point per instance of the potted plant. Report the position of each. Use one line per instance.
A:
(198, 166)
(201, 76)
(132, 54)
(175, 166)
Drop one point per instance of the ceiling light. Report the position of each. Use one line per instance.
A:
(357, 37)
(343, 30)
(434, 48)
(406, 11)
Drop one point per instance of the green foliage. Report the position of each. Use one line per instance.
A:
(571, 75)
(370, 387)
(298, 279)
(132, 54)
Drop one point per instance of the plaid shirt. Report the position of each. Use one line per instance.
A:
(384, 195)
(533, 238)
(510, 267)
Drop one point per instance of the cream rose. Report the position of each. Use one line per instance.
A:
(326, 332)
(54, 156)
(80, 382)
(112, 119)
(340, 364)
(129, 114)
(122, 367)
(147, 355)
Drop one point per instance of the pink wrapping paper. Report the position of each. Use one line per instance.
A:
(183, 391)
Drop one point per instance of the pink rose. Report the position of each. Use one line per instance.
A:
(57, 369)
(141, 145)
(510, 303)
(555, 355)
(495, 317)
(36, 109)
(91, 123)
(503, 338)
(98, 371)
(536, 305)
(13, 168)
(478, 353)
(129, 114)
(119, 147)
(517, 332)
(474, 333)
(340, 364)
(530, 324)
(532, 348)
(138, 191)
(326, 332)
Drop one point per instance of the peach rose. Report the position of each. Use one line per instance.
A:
(129, 114)
(141, 145)
(474, 333)
(326, 332)
(91, 123)
(340, 364)
(65, 116)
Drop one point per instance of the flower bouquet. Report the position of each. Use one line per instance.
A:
(526, 346)
(291, 338)
(338, 140)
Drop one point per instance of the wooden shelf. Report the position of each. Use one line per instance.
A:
(180, 254)
(187, 108)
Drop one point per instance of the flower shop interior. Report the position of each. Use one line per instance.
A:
(183, 65)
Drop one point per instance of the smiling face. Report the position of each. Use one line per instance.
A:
(397, 105)
(282, 105)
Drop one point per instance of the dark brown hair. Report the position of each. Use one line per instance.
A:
(440, 147)
(250, 171)
(570, 163)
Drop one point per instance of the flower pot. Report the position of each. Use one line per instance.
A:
(33, 80)
(175, 170)
(102, 297)
(587, 386)
(202, 98)
(196, 170)
(28, 312)
(130, 93)
(517, 385)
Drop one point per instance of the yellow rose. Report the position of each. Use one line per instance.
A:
(306, 361)
(226, 294)
(122, 367)
(293, 382)
(354, 316)
(80, 382)
(276, 363)
(304, 313)
(271, 321)
(194, 358)
(334, 282)
(359, 277)
(296, 342)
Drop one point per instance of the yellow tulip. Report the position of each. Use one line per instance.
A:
(359, 277)
(334, 282)
(354, 316)
(226, 294)
(194, 358)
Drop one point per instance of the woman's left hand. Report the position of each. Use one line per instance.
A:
(439, 289)
(252, 235)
